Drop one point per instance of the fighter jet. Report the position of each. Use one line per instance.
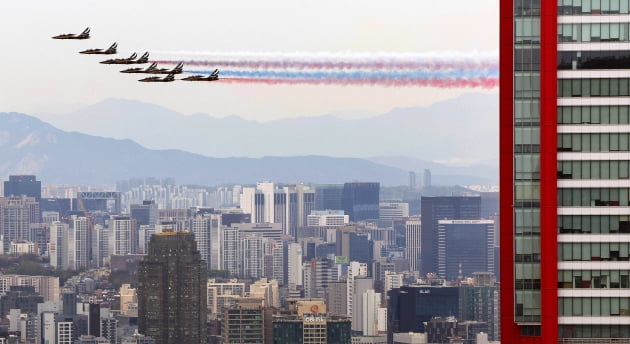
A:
(130, 60)
(212, 77)
(168, 78)
(152, 67)
(109, 51)
(83, 35)
(177, 70)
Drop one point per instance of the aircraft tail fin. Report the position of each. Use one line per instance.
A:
(86, 31)
(133, 56)
(170, 77)
(112, 49)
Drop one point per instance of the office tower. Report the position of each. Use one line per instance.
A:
(328, 196)
(480, 302)
(23, 298)
(391, 210)
(361, 285)
(318, 272)
(46, 286)
(172, 305)
(267, 290)
(23, 185)
(223, 295)
(355, 270)
(465, 246)
(327, 218)
(49, 216)
(79, 243)
(353, 244)
(413, 243)
(426, 182)
(563, 147)
(337, 298)
(360, 201)
(442, 208)
(123, 238)
(371, 302)
(410, 307)
(412, 180)
(16, 216)
(294, 264)
(145, 213)
(245, 322)
(311, 324)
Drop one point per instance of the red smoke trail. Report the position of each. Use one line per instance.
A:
(393, 64)
(486, 83)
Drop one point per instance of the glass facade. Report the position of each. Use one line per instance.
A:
(594, 247)
(527, 160)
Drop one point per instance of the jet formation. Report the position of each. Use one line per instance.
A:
(133, 59)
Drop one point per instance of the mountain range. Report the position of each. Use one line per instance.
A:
(31, 146)
(462, 129)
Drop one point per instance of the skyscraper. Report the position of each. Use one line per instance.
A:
(123, 237)
(23, 185)
(465, 246)
(564, 154)
(16, 216)
(172, 305)
(442, 208)
(360, 200)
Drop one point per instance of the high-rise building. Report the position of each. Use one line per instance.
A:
(442, 208)
(328, 196)
(172, 305)
(413, 242)
(412, 180)
(245, 322)
(318, 272)
(465, 247)
(287, 205)
(426, 182)
(564, 149)
(145, 213)
(391, 210)
(23, 185)
(123, 236)
(360, 201)
(79, 243)
(294, 265)
(410, 307)
(16, 216)
(223, 295)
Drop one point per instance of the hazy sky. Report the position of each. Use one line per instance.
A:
(42, 75)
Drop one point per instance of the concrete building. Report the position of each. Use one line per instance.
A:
(223, 295)
(172, 306)
(246, 322)
(16, 216)
(413, 248)
(392, 210)
(465, 247)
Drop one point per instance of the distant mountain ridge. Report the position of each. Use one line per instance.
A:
(464, 128)
(30, 146)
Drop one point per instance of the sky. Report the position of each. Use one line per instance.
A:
(48, 77)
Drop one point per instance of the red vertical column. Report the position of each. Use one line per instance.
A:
(509, 330)
(548, 171)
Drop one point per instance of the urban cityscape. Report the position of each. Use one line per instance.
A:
(315, 172)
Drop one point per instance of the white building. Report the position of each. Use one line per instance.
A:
(123, 235)
(79, 243)
(392, 210)
(294, 267)
(371, 302)
(413, 232)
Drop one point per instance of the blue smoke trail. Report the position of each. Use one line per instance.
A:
(382, 75)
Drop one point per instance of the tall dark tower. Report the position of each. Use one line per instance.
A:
(23, 186)
(172, 290)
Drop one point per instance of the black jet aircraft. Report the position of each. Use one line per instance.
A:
(83, 35)
(212, 77)
(177, 70)
(109, 51)
(130, 60)
(168, 78)
(152, 67)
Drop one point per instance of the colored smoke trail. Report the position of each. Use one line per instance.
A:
(371, 65)
(444, 69)
(439, 83)
(354, 75)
